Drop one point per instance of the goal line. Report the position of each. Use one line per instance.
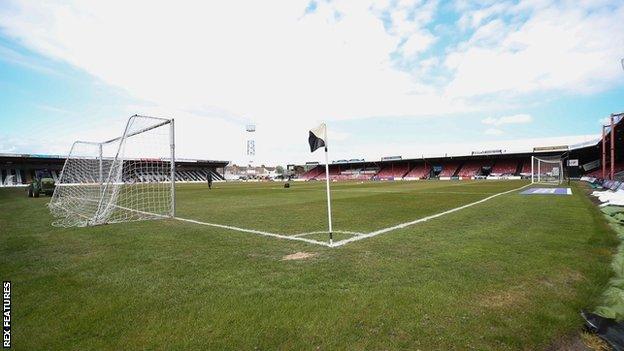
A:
(253, 231)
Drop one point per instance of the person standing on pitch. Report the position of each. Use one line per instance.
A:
(209, 179)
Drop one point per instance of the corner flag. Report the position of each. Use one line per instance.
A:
(318, 139)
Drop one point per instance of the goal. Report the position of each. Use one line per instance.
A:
(129, 178)
(546, 170)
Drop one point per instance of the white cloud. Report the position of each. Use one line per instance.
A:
(513, 119)
(493, 131)
(266, 63)
(216, 67)
(272, 65)
(561, 46)
(11, 56)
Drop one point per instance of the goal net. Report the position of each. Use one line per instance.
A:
(546, 170)
(128, 178)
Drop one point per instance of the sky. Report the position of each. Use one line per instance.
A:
(410, 78)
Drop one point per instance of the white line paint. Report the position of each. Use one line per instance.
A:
(407, 224)
(226, 226)
(326, 232)
(413, 192)
(252, 231)
(357, 236)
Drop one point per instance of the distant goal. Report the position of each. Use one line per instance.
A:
(128, 178)
(547, 170)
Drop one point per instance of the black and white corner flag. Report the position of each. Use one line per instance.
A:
(317, 137)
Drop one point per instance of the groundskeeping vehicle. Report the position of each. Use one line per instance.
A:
(42, 184)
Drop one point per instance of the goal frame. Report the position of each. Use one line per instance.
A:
(536, 178)
(109, 180)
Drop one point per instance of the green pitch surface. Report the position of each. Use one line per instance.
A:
(510, 273)
(357, 207)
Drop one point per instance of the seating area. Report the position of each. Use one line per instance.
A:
(393, 171)
(20, 176)
(10, 177)
(421, 171)
(143, 176)
(348, 177)
(334, 174)
(505, 167)
(472, 168)
(197, 175)
(313, 173)
(340, 172)
(449, 169)
(526, 167)
(619, 171)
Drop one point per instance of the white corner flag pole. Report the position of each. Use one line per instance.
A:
(329, 216)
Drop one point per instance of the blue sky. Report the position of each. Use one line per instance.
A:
(389, 78)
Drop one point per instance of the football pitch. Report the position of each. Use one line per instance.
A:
(360, 209)
(452, 265)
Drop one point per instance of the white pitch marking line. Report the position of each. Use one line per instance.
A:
(254, 231)
(407, 224)
(357, 236)
(413, 192)
(326, 232)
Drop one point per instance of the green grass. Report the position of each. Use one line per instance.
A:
(357, 207)
(508, 274)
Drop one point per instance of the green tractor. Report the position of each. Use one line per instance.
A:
(43, 183)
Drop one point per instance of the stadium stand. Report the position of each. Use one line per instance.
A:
(20, 169)
(472, 168)
(393, 171)
(449, 169)
(505, 167)
(491, 163)
(348, 172)
(526, 167)
(619, 171)
(419, 171)
(313, 173)
(16, 169)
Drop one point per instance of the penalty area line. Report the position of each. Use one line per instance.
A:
(420, 220)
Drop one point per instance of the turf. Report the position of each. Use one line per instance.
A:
(511, 273)
(357, 207)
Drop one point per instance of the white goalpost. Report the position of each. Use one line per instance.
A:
(128, 178)
(546, 170)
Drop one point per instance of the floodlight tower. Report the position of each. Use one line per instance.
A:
(251, 143)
